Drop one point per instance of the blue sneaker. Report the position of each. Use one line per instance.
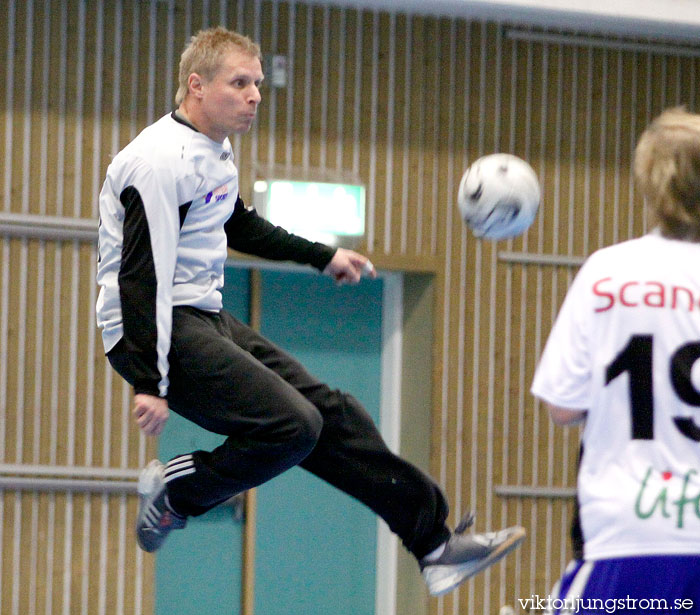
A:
(155, 518)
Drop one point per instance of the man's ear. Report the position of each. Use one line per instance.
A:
(194, 84)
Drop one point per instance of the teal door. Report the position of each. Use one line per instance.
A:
(315, 546)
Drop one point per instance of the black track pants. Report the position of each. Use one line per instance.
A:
(230, 380)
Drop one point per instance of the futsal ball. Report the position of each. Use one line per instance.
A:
(499, 196)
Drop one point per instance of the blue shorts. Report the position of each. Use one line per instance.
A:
(668, 584)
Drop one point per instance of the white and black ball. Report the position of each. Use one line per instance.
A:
(499, 196)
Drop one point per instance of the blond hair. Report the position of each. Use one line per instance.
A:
(205, 52)
(667, 169)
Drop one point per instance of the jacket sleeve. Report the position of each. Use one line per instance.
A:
(247, 232)
(150, 236)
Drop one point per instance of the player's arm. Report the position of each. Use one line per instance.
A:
(247, 232)
(150, 236)
(565, 416)
(562, 380)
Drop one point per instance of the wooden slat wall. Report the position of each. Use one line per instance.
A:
(403, 103)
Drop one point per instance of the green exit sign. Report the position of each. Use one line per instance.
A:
(325, 212)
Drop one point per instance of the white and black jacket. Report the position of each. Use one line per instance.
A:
(169, 207)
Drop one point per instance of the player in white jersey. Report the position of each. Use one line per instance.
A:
(623, 358)
(169, 208)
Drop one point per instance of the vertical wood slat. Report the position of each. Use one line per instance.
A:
(9, 80)
(493, 445)
(251, 498)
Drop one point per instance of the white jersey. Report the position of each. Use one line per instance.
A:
(169, 209)
(625, 347)
(173, 172)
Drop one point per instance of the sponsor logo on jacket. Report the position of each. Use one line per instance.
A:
(219, 194)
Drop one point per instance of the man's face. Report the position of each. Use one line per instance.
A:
(231, 98)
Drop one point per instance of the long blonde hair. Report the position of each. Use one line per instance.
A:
(205, 52)
(667, 169)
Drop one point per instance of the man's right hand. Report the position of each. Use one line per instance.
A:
(151, 413)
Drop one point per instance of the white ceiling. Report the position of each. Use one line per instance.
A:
(666, 19)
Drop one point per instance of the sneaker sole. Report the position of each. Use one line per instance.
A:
(147, 490)
(443, 579)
